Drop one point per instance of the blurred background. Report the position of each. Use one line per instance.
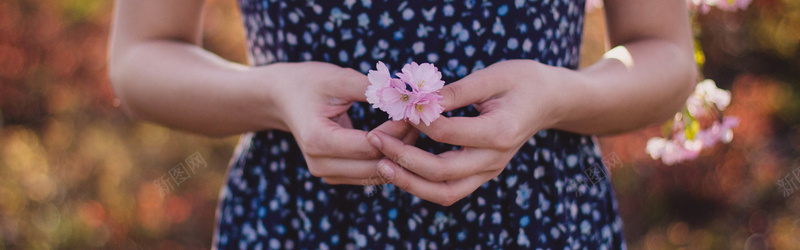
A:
(77, 173)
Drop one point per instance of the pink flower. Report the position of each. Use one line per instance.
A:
(718, 132)
(696, 106)
(395, 100)
(424, 78)
(672, 152)
(726, 5)
(392, 95)
(732, 5)
(426, 108)
(728, 123)
(706, 94)
(708, 91)
(378, 79)
(680, 149)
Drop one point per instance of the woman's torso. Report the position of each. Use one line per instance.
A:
(543, 197)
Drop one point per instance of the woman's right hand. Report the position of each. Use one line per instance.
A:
(310, 100)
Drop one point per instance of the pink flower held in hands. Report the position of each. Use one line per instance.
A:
(378, 79)
(395, 100)
(393, 97)
(424, 78)
(426, 108)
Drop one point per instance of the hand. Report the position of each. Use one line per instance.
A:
(515, 98)
(311, 100)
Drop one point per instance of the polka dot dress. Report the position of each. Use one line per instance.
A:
(554, 194)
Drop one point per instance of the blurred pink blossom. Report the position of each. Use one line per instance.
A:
(732, 5)
(718, 132)
(708, 90)
(688, 138)
(672, 151)
(679, 148)
(706, 94)
(726, 5)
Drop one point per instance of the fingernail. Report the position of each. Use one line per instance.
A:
(374, 140)
(386, 171)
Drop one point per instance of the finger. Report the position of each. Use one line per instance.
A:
(344, 121)
(396, 129)
(335, 141)
(400, 129)
(450, 165)
(442, 193)
(474, 88)
(401, 153)
(463, 163)
(351, 86)
(332, 140)
(411, 137)
(487, 130)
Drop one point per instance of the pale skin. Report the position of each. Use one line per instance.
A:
(160, 74)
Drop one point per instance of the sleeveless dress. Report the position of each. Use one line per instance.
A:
(553, 194)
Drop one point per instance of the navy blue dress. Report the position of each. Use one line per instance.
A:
(553, 194)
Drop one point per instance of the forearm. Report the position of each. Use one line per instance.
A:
(635, 85)
(182, 86)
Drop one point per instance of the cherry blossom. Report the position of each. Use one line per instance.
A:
(706, 94)
(718, 132)
(426, 108)
(424, 78)
(671, 151)
(726, 5)
(379, 79)
(687, 137)
(414, 96)
(395, 100)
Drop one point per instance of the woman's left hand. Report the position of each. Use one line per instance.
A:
(515, 99)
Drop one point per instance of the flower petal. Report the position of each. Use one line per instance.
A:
(424, 78)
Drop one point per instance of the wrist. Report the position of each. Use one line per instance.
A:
(568, 93)
(262, 96)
